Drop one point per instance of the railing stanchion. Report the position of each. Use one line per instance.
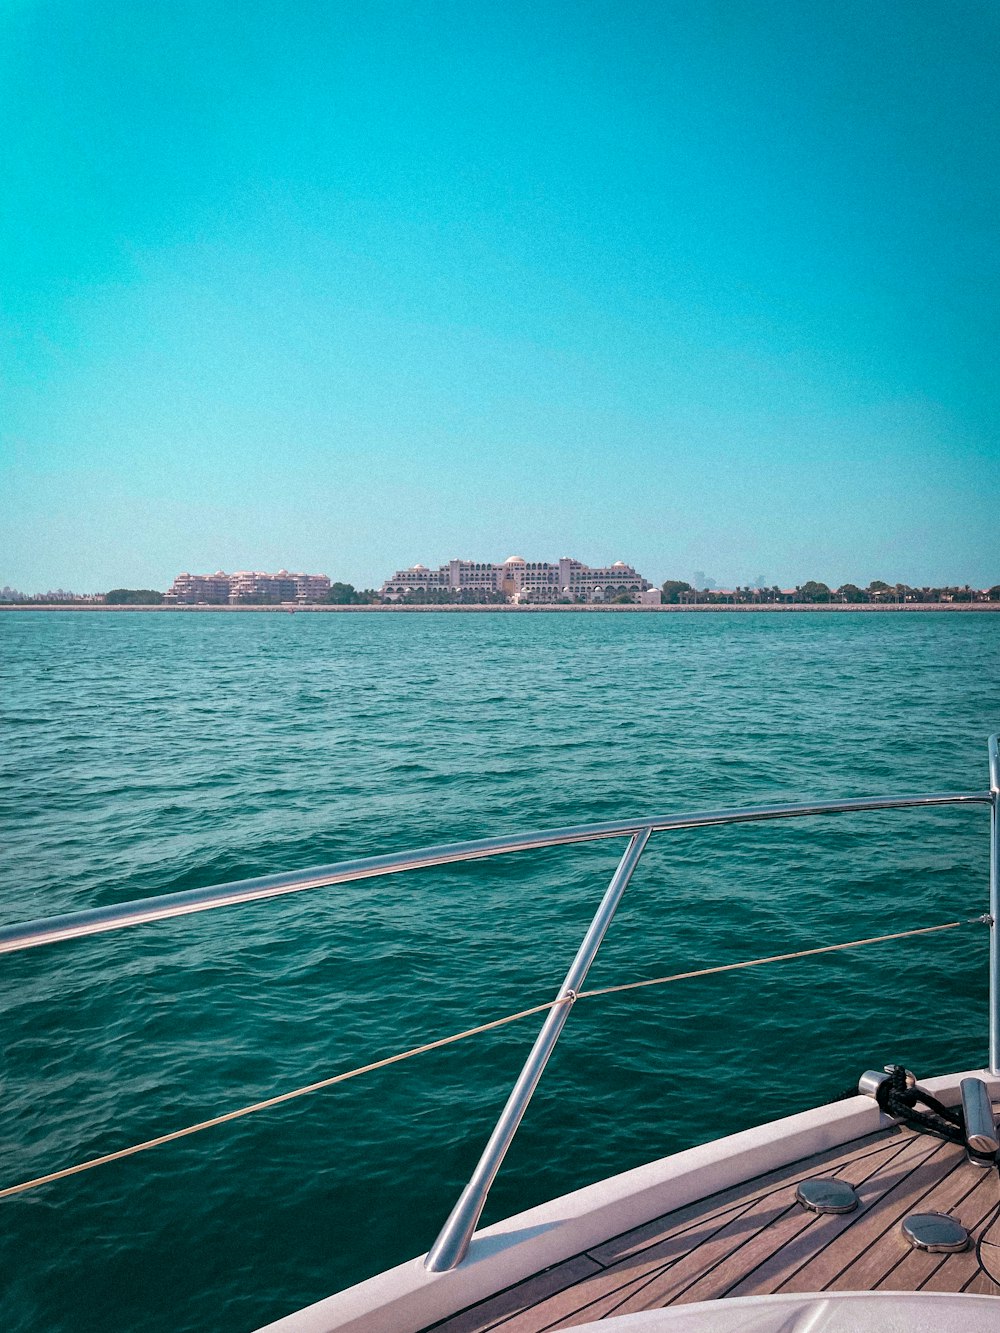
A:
(452, 1244)
(994, 744)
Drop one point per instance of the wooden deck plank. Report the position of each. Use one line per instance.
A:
(737, 1197)
(685, 1230)
(758, 1248)
(919, 1266)
(776, 1268)
(797, 1224)
(524, 1298)
(599, 1293)
(904, 1197)
(658, 1273)
(877, 1262)
(962, 1268)
(991, 1263)
(952, 1276)
(772, 1223)
(755, 1239)
(981, 1285)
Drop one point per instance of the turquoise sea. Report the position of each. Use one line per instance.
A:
(145, 753)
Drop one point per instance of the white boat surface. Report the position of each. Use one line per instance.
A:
(614, 1245)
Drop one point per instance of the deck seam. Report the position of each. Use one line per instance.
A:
(865, 1212)
(900, 1150)
(880, 1235)
(903, 1147)
(732, 1214)
(923, 1161)
(905, 1144)
(502, 1291)
(884, 1151)
(973, 1229)
(659, 1272)
(792, 1169)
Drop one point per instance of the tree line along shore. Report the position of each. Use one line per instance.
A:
(675, 594)
(507, 608)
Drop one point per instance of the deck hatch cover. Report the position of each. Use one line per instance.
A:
(826, 1194)
(938, 1232)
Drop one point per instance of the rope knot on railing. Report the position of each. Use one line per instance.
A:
(565, 999)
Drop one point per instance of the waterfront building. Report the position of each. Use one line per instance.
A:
(251, 587)
(190, 589)
(520, 581)
(247, 588)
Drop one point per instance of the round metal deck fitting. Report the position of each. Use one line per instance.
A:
(824, 1194)
(938, 1232)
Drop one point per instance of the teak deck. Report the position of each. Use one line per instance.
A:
(754, 1239)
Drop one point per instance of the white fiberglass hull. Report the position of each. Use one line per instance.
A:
(408, 1298)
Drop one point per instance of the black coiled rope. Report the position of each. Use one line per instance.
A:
(898, 1097)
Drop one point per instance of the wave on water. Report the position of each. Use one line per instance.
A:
(153, 754)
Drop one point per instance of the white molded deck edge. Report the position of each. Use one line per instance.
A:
(407, 1298)
(831, 1312)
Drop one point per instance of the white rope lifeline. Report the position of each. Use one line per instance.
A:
(774, 958)
(277, 1100)
(274, 1101)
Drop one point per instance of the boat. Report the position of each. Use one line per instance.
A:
(879, 1210)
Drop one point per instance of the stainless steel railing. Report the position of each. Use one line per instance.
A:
(96, 920)
(452, 1244)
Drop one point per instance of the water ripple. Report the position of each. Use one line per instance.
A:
(145, 754)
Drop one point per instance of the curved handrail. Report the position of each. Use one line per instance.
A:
(116, 916)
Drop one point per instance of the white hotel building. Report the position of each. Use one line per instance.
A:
(521, 581)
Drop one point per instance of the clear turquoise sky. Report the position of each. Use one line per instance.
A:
(340, 287)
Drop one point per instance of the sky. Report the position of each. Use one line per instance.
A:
(697, 284)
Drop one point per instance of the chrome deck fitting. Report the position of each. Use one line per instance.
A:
(826, 1194)
(940, 1233)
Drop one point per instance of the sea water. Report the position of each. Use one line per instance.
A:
(146, 753)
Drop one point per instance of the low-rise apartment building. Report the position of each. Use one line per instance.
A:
(247, 588)
(190, 589)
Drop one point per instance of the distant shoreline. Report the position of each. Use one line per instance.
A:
(589, 608)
